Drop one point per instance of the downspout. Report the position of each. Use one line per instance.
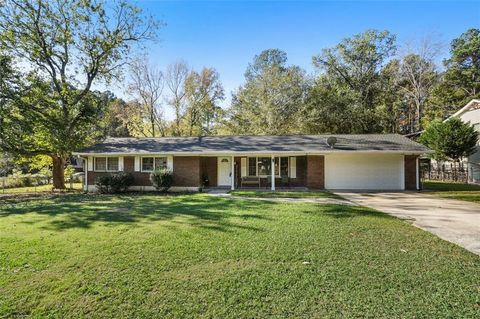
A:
(417, 164)
(85, 165)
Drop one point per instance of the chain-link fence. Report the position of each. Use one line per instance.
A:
(36, 183)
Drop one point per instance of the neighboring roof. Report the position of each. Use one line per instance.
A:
(256, 144)
(472, 105)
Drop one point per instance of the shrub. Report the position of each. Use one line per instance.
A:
(26, 180)
(162, 179)
(47, 172)
(114, 183)
(205, 180)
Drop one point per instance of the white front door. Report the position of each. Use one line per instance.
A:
(224, 171)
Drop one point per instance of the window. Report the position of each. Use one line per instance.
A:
(282, 169)
(112, 164)
(106, 164)
(149, 163)
(264, 166)
(160, 162)
(261, 166)
(100, 163)
(252, 166)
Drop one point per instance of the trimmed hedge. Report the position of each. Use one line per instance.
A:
(114, 183)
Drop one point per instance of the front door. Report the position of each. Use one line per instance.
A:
(224, 171)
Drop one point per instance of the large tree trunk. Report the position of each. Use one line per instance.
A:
(58, 172)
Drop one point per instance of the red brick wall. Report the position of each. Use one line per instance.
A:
(301, 180)
(186, 171)
(208, 167)
(410, 172)
(140, 179)
(316, 171)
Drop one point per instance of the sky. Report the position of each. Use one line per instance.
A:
(227, 35)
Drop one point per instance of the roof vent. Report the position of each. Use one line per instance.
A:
(331, 141)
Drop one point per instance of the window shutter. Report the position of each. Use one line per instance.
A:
(244, 166)
(90, 163)
(137, 164)
(120, 163)
(293, 167)
(170, 162)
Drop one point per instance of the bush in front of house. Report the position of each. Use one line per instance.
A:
(162, 179)
(114, 183)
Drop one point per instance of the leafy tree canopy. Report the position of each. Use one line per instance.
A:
(66, 46)
(272, 97)
(452, 140)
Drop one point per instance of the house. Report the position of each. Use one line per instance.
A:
(470, 113)
(355, 162)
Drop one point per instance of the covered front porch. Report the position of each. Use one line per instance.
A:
(263, 172)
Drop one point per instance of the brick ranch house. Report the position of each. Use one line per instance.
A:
(355, 162)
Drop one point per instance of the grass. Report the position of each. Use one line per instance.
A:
(467, 192)
(200, 256)
(286, 194)
(36, 189)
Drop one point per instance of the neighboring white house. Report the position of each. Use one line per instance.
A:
(470, 113)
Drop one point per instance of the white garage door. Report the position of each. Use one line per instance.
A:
(364, 172)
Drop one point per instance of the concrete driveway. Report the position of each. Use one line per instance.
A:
(452, 220)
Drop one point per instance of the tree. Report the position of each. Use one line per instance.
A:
(68, 46)
(7, 163)
(354, 66)
(453, 139)
(203, 91)
(461, 80)
(116, 118)
(146, 86)
(176, 76)
(417, 77)
(328, 109)
(9, 81)
(271, 99)
(463, 68)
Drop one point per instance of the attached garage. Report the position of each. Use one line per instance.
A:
(364, 171)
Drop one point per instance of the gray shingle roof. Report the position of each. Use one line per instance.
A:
(256, 143)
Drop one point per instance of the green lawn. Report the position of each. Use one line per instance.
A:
(285, 194)
(200, 256)
(459, 191)
(37, 189)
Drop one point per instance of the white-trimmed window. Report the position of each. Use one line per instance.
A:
(264, 166)
(106, 164)
(282, 169)
(261, 166)
(150, 164)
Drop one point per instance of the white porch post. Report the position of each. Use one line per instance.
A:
(233, 174)
(273, 172)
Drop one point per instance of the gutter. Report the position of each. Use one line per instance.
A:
(220, 153)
